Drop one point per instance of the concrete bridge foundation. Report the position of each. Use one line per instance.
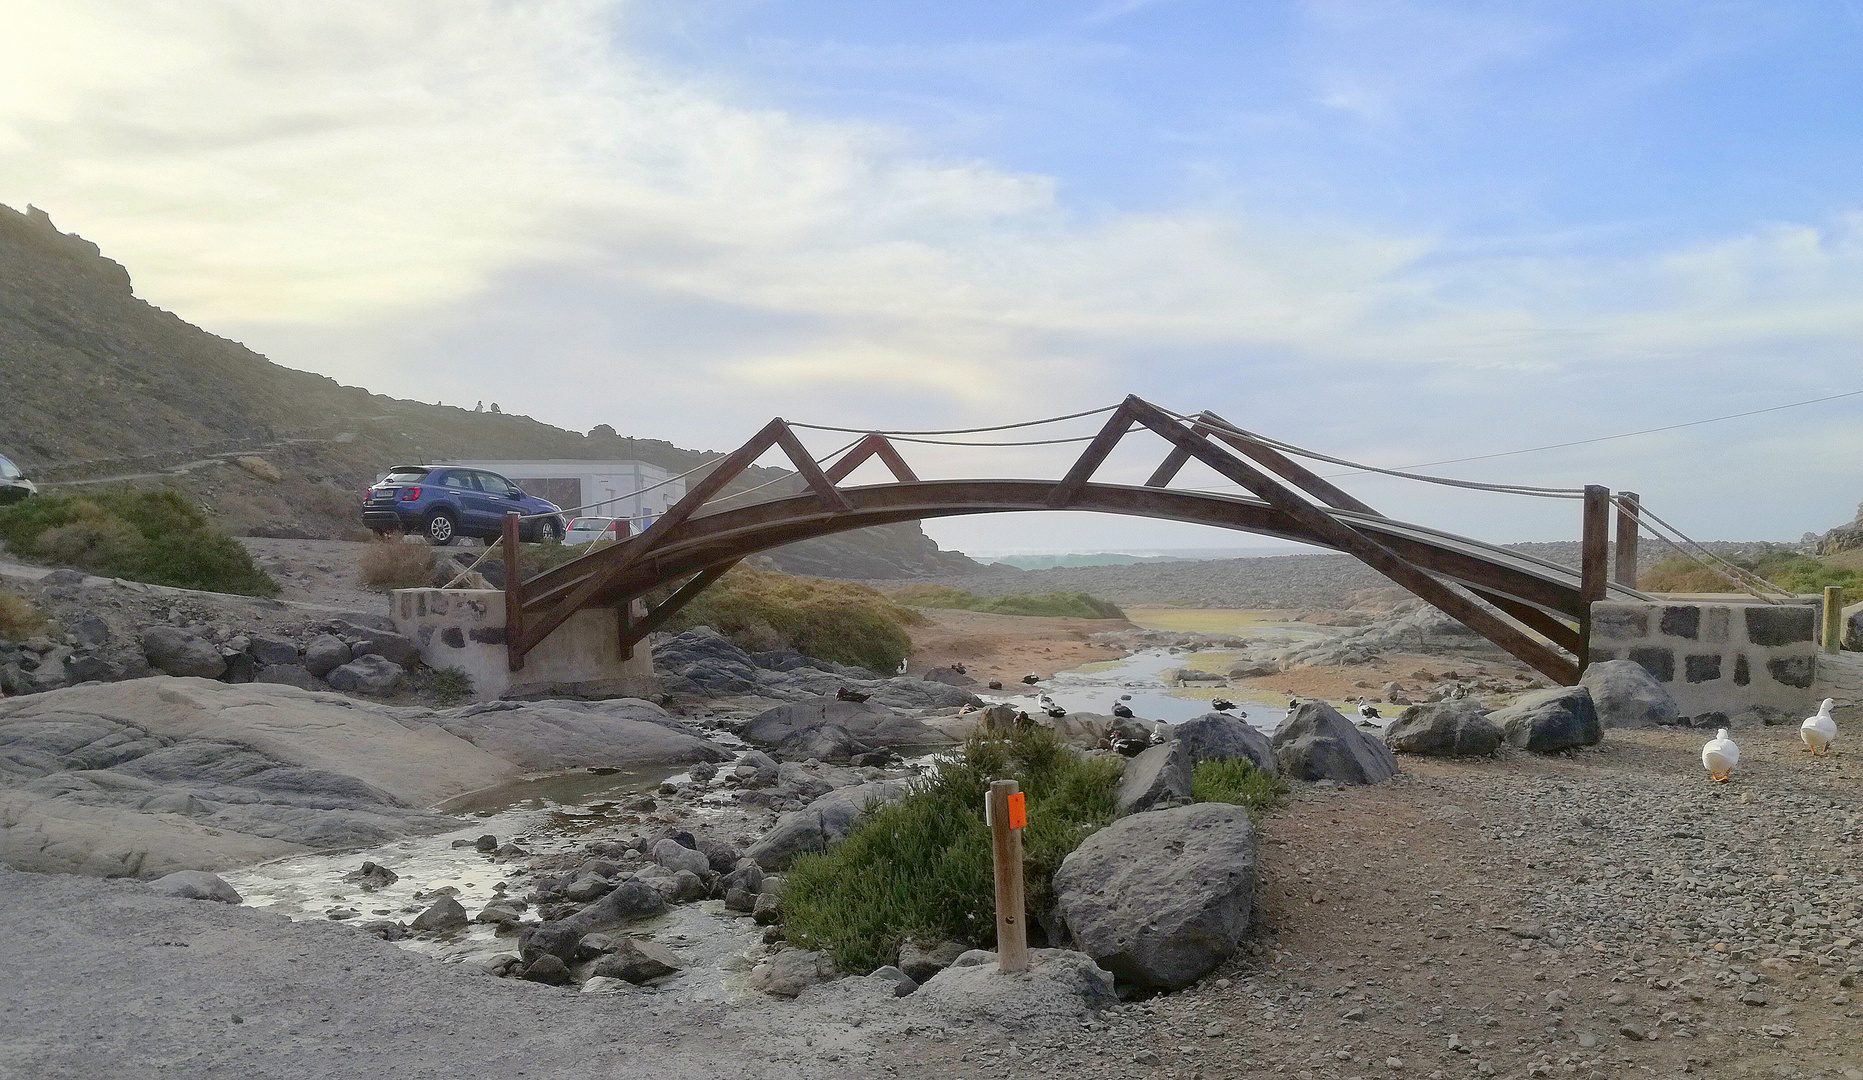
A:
(465, 629)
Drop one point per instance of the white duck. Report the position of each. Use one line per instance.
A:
(1720, 755)
(1820, 730)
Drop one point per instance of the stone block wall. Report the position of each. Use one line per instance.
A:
(465, 629)
(1715, 657)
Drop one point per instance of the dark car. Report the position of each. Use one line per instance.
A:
(446, 501)
(14, 486)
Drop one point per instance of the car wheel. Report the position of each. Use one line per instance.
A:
(549, 532)
(441, 529)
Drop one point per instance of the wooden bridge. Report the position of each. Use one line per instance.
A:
(1535, 609)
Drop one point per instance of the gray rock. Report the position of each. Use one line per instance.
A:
(372, 875)
(444, 916)
(1548, 721)
(828, 742)
(196, 885)
(173, 651)
(902, 983)
(1253, 669)
(560, 940)
(64, 577)
(1216, 736)
(384, 643)
(92, 669)
(1316, 743)
(324, 654)
(1159, 775)
(687, 887)
(554, 735)
(628, 901)
(676, 856)
(586, 888)
(272, 651)
(791, 971)
(921, 962)
(637, 962)
(289, 675)
(867, 722)
(1625, 694)
(549, 970)
(499, 913)
(1160, 899)
(1457, 728)
(701, 661)
(91, 631)
(1060, 986)
(821, 822)
(768, 909)
(375, 676)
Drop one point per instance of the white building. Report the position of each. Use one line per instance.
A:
(619, 486)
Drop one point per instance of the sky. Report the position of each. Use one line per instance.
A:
(1395, 232)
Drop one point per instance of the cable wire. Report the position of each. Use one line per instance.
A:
(962, 431)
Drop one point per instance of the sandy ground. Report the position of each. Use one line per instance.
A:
(317, 571)
(1007, 647)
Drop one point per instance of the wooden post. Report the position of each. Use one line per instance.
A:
(1628, 502)
(1012, 936)
(514, 596)
(1593, 550)
(1833, 618)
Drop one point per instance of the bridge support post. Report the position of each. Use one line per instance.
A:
(1594, 548)
(514, 596)
(1628, 503)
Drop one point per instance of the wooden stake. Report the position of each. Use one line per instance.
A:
(1833, 617)
(1596, 539)
(1628, 503)
(1012, 937)
(514, 597)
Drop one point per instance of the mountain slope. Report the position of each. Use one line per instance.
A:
(101, 384)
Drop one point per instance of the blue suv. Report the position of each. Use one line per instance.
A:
(445, 501)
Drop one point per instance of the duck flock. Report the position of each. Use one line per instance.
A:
(1721, 754)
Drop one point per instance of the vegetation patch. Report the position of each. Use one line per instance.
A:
(390, 564)
(1067, 605)
(1238, 781)
(920, 869)
(837, 621)
(442, 686)
(19, 620)
(1788, 570)
(154, 536)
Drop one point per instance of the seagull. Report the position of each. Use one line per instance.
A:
(1293, 703)
(1160, 733)
(959, 668)
(1367, 710)
(1031, 679)
(1720, 755)
(1126, 746)
(1122, 710)
(1055, 712)
(846, 694)
(1222, 704)
(1818, 731)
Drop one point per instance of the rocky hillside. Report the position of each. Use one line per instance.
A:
(102, 385)
(1843, 538)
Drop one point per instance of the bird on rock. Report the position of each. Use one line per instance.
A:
(960, 669)
(1031, 678)
(1367, 710)
(1818, 731)
(1293, 703)
(1122, 710)
(847, 694)
(1222, 704)
(1720, 755)
(996, 684)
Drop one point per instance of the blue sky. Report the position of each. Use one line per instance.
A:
(1399, 232)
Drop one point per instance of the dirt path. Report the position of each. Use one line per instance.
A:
(1007, 647)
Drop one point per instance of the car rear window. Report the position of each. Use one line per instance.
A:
(8, 470)
(405, 476)
(590, 524)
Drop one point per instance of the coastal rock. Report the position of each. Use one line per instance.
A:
(1060, 986)
(702, 661)
(270, 650)
(324, 654)
(444, 916)
(1161, 898)
(630, 900)
(289, 675)
(921, 962)
(1316, 743)
(548, 736)
(869, 722)
(638, 961)
(196, 885)
(372, 875)
(176, 652)
(1548, 721)
(1216, 736)
(376, 676)
(1457, 728)
(791, 971)
(675, 856)
(821, 822)
(367, 640)
(550, 939)
(549, 970)
(1625, 694)
(1159, 775)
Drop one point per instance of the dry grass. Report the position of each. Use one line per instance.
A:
(19, 620)
(389, 564)
(837, 621)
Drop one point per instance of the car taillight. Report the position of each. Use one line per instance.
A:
(410, 494)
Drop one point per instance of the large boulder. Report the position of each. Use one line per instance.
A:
(1160, 899)
(791, 971)
(173, 651)
(1216, 736)
(626, 902)
(702, 661)
(1316, 743)
(375, 676)
(548, 736)
(1159, 775)
(1548, 721)
(1457, 728)
(384, 643)
(1625, 694)
(1060, 987)
(324, 654)
(821, 822)
(829, 742)
(196, 885)
(866, 721)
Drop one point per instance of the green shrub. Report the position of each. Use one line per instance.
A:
(837, 621)
(153, 536)
(920, 868)
(1788, 570)
(19, 620)
(442, 686)
(1236, 780)
(1068, 605)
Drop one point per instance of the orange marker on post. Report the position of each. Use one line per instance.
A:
(1006, 810)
